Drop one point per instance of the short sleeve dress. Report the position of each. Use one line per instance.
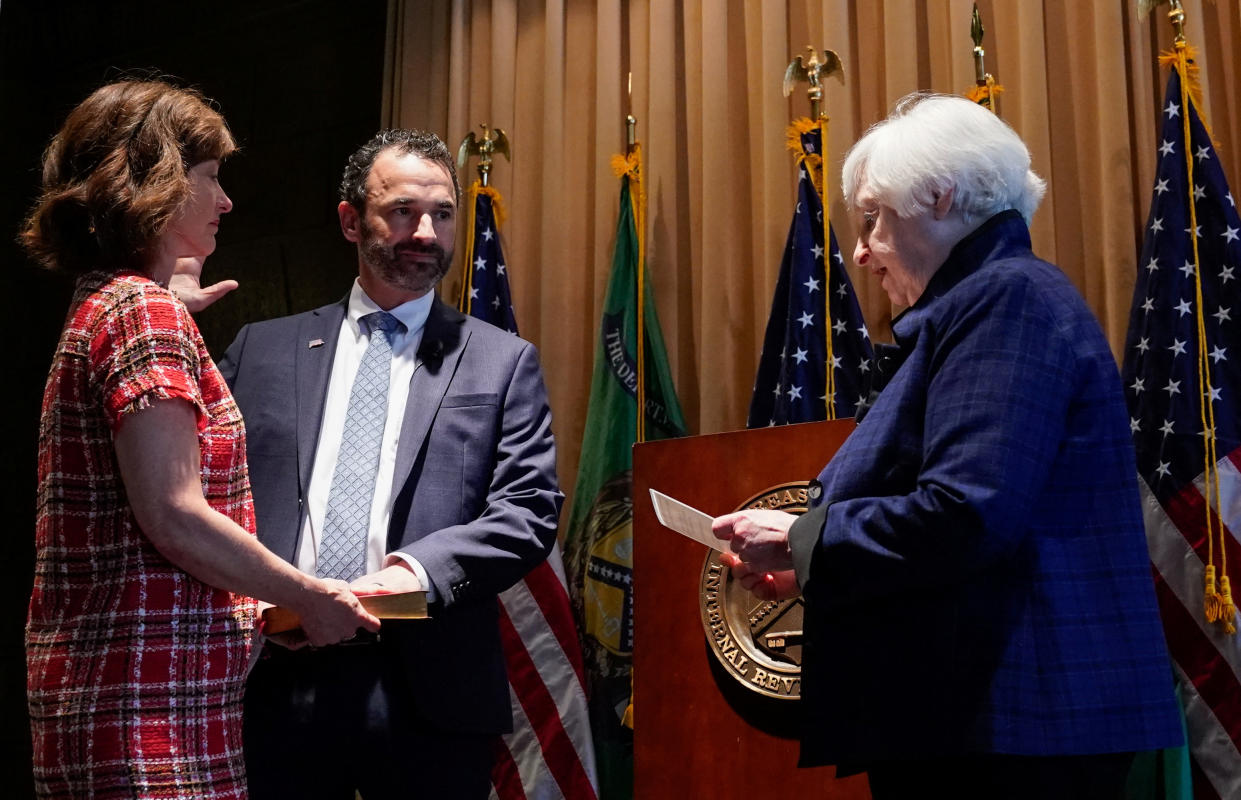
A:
(135, 669)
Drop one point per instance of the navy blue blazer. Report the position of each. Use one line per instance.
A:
(476, 498)
(975, 574)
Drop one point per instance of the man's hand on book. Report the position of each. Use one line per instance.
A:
(396, 578)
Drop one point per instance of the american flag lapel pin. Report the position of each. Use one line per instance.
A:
(313, 343)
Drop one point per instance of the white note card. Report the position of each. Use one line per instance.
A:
(686, 520)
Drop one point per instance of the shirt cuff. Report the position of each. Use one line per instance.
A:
(418, 569)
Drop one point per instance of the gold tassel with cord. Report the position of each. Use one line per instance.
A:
(1218, 606)
(1227, 608)
(1210, 595)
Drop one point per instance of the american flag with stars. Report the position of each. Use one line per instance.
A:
(486, 291)
(791, 385)
(1161, 376)
(550, 753)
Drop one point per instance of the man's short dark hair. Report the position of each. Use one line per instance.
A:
(423, 144)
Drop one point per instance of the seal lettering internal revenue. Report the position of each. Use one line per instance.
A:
(758, 642)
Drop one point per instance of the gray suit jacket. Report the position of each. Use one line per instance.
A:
(476, 499)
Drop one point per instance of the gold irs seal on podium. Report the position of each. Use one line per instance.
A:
(757, 642)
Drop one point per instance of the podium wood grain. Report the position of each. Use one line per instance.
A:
(690, 739)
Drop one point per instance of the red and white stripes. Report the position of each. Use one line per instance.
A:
(1208, 661)
(549, 755)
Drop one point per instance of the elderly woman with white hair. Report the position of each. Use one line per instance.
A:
(980, 615)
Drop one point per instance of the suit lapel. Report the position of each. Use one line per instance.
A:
(439, 353)
(316, 347)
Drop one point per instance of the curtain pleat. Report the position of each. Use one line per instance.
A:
(1082, 87)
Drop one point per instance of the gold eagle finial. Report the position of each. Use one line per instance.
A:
(812, 70)
(493, 140)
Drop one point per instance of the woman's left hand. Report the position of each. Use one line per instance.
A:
(186, 285)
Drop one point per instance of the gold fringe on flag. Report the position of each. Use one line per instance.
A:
(467, 279)
(497, 202)
(626, 166)
(792, 140)
(1190, 77)
(985, 95)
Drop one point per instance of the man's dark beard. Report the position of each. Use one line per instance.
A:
(385, 259)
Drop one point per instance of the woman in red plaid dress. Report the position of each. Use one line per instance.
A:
(139, 629)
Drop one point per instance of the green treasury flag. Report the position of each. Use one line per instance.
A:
(599, 541)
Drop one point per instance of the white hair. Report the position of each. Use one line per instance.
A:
(932, 143)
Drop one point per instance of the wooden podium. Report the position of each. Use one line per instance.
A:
(697, 731)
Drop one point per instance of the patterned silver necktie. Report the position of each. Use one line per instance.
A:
(342, 549)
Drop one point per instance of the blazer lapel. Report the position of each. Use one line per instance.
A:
(316, 347)
(439, 353)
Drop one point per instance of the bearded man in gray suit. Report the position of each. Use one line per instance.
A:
(397, 444)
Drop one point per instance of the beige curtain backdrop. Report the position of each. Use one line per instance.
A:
(1082, 88)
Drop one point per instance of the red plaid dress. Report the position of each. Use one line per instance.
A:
(135, 669)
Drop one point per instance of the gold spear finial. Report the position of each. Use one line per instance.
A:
(976, 33)
(984, 94)
(492, 141)
(1176, 15)
(631, 122)
(813, 71)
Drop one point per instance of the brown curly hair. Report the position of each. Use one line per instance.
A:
(117, 172)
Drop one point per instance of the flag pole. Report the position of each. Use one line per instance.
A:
(985, 89)
(1218, 604)
(493, 140)
(812, 71)
(637, 197)
(465, 301)
(829, 393)
(982, 78)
